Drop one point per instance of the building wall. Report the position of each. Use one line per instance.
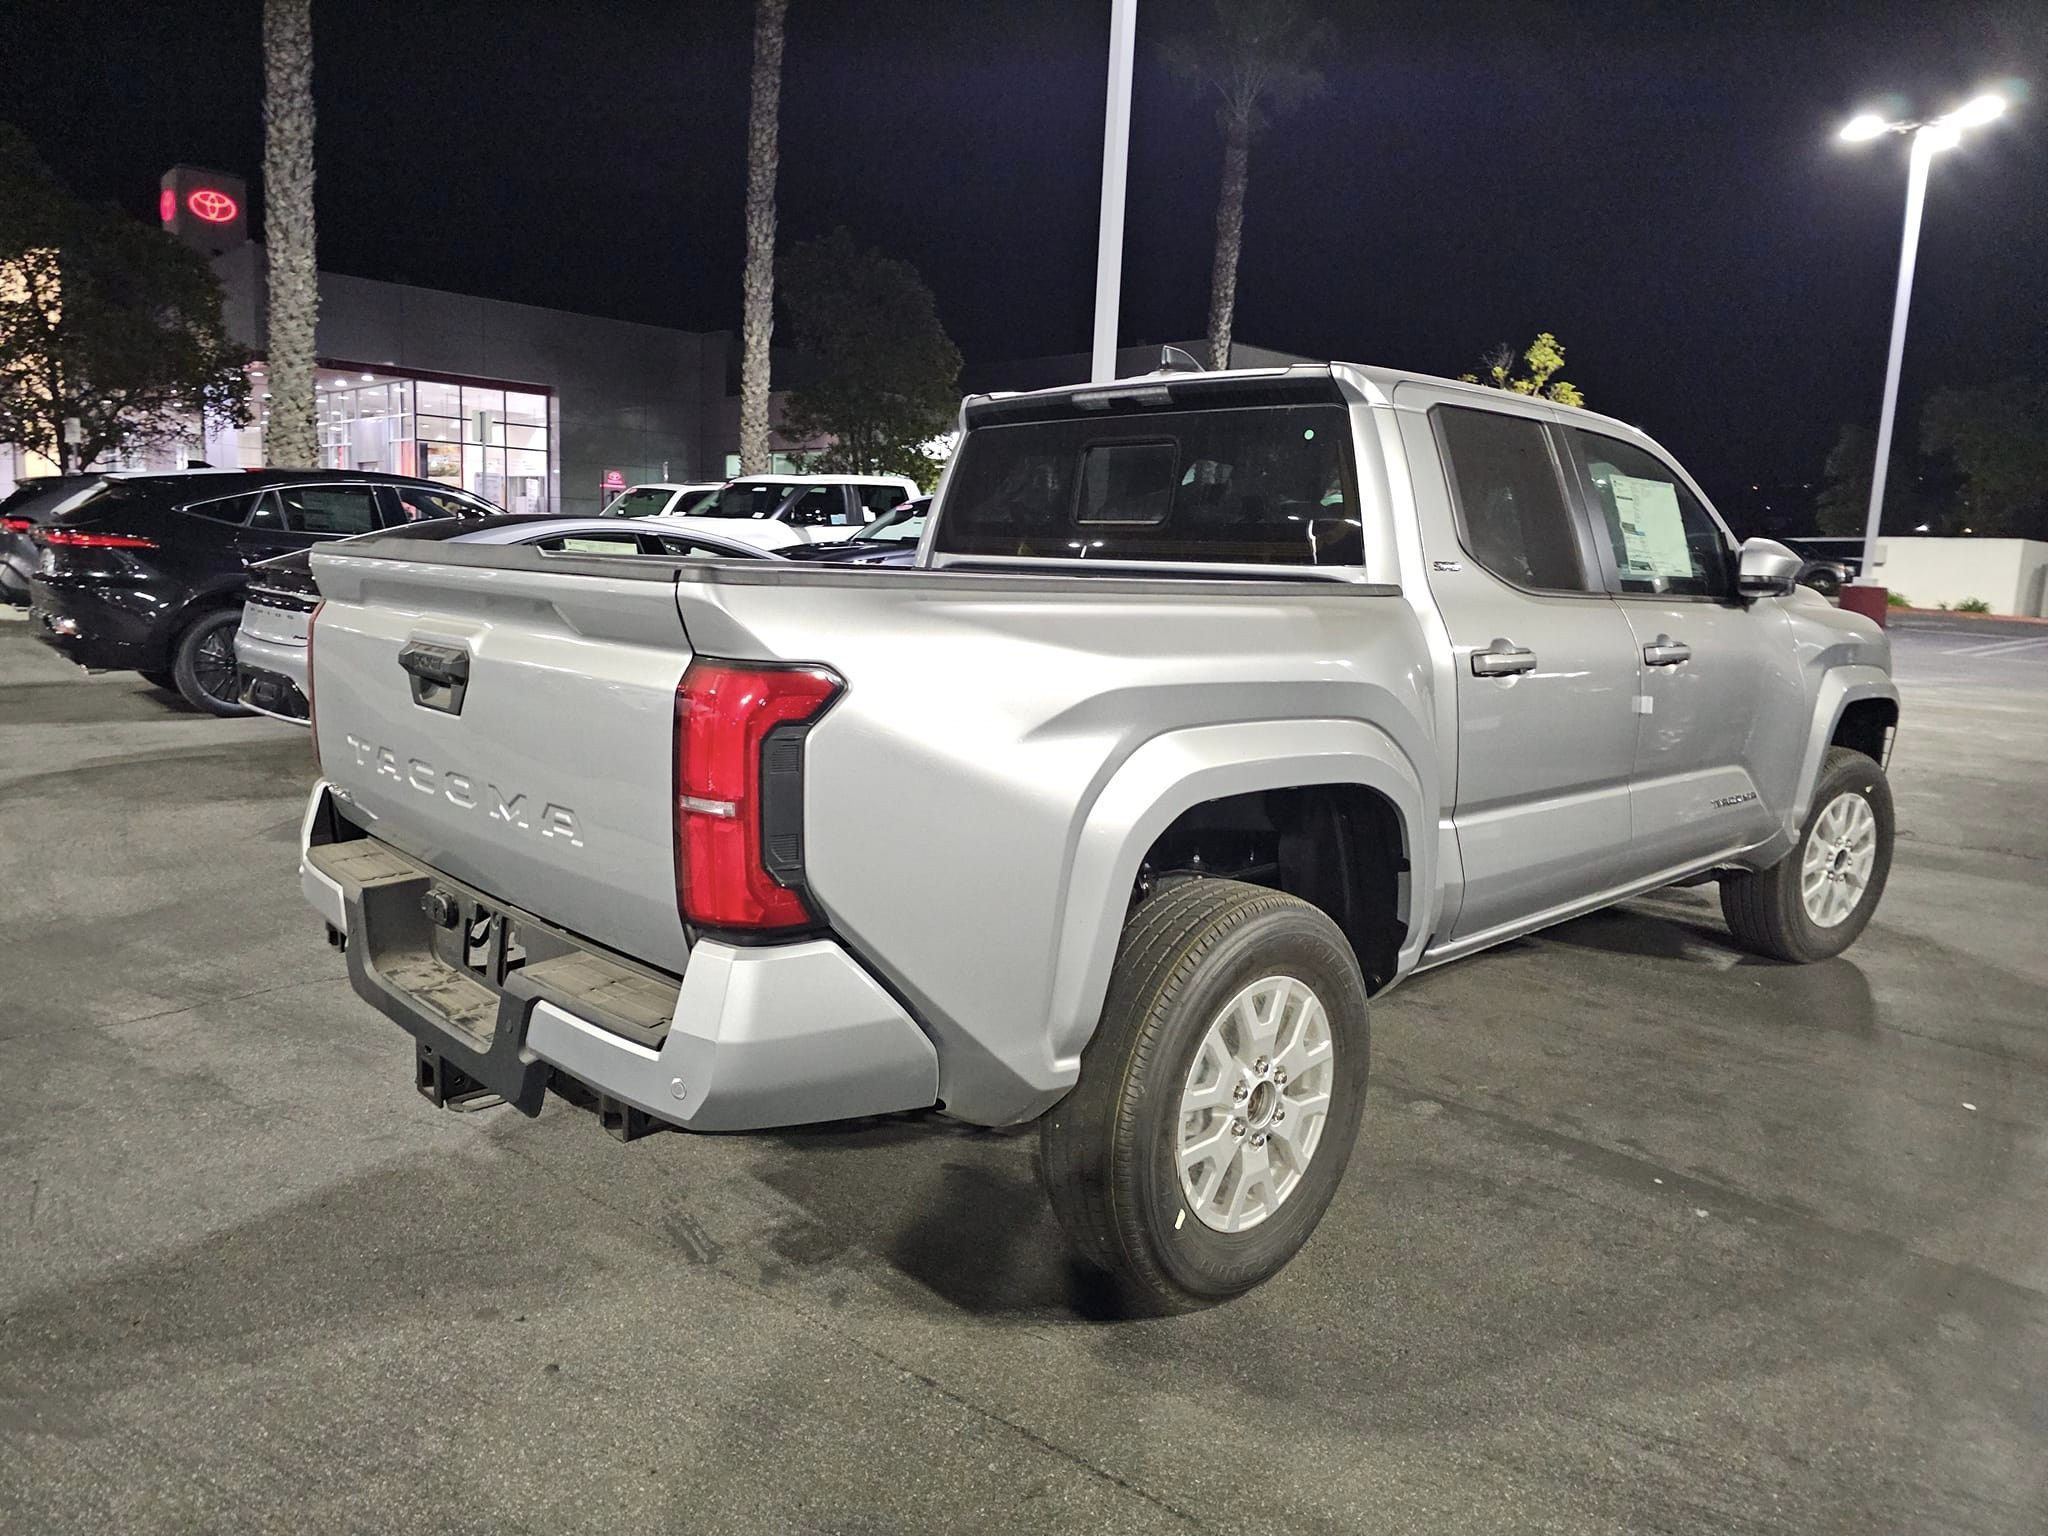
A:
(641, 399)
(2009, 574)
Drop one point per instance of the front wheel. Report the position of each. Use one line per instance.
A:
(1220, 1098)
(204, 664)
(1813, 903)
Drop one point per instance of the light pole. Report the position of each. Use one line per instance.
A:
(1116, 150)
(1929, 139)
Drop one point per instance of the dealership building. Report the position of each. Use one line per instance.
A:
(536, 409)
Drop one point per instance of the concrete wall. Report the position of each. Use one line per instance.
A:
(2009, 574)
(642, 399)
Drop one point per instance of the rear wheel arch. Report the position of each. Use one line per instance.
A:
(1342, 770)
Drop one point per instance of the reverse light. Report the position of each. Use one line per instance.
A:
(739, 792)
(78, 538)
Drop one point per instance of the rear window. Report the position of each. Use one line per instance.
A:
(755, 501)
(1254, 485)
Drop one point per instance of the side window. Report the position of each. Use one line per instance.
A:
(1663, 539)
(621, 543)
(821, 506)
(1511, 508)
(877, 499)
(228, 509)
(329, 510)
(266, 514)
(417, 505)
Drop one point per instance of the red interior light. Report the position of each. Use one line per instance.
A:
(724, 714)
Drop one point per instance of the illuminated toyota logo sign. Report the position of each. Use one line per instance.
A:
(212, 205)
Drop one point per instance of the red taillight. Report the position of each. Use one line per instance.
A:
(738, 792)
(15, 525)
(78, 538)
(312, 718)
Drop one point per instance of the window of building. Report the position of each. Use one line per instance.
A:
(1512, 514)
(1664, 540)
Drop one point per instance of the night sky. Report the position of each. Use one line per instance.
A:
(1655, 183)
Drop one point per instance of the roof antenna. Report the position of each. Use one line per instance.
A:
(1175, 360)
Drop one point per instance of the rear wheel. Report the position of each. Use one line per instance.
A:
(164, 680)
(203, 667)
(1220, 1098)
(1813, 903)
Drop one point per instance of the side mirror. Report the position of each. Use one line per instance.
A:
(1767, 569)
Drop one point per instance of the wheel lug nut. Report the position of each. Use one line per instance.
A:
(1259, 1140)
(1279, 1077)
(1259, 1066)
(1237, 1127)
(1279, 1115)
(1240, 1093)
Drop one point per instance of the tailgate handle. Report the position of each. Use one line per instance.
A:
(439, 674)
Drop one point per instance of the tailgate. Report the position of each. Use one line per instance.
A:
(512, 723)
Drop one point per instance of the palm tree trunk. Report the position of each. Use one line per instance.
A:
(757, 314)
(1237, 152)
(291, 438)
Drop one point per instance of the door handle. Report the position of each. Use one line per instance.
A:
(1503, 658)
(1666, 652)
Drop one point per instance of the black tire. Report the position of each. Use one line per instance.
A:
(165, 680)
(1766, 910)
(1110, 1148)
(197, 663)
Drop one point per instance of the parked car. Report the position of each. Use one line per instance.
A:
(1222, 703)
(658, 498)
(38, 500)
(890, 539)
(776, 511)
(1823, 571)
(148, 573)
(270, 645)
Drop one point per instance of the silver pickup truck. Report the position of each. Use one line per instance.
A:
(1216, 705)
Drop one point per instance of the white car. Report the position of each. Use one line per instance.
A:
(778, 511)
(659, 498)
(270, 646)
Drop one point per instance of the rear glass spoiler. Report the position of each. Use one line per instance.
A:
(1311, 384)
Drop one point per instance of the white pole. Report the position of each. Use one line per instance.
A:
(1116, 153)
(1916, 197)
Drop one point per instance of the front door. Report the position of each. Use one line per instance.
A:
(1722, 719)
(1546, 668)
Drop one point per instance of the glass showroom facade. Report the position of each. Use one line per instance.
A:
(491, 439)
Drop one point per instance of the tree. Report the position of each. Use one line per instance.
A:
(292, 436)
(884, 374)
(1258, 58)
(757, 285)
(1997, 439)
(1544, 357)
(105, 321)
(1843, 506)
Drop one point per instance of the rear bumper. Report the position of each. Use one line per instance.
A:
(748, 1038)
(77, 623)
(273, 677)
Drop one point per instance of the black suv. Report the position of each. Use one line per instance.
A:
(147, 573)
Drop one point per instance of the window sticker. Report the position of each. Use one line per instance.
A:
(1652, 526)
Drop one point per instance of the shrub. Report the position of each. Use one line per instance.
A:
(1896, 600)
(1973, 605)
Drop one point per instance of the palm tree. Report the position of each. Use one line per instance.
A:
(757, 286)
(294, 304)
(1258, 58)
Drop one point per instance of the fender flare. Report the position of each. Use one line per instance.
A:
(1839, 688)
(1172, 773)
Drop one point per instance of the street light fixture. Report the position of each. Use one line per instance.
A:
(1930, 137)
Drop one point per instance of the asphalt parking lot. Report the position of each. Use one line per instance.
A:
(1642, 1234)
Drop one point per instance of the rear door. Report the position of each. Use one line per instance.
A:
(294, 517)
(1722, 718)
(820, 513)
(1546, 669)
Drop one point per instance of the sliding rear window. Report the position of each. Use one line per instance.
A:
(1253, 485)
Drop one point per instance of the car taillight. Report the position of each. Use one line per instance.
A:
(78, 538)
(739, 792)
(312, 716)
(15, 525)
